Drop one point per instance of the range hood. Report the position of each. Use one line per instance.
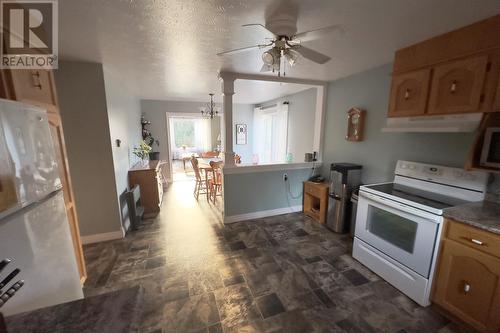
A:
(437, 124)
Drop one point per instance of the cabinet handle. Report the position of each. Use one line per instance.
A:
(467, 287)
(453, 87)
(476, 241)
(407, 93)
(36, 80)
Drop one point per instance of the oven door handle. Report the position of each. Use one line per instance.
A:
(400, 206)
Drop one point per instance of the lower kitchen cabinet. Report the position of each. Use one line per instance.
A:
(468, 283)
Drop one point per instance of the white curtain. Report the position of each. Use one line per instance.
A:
(203, 134)
(271, 133)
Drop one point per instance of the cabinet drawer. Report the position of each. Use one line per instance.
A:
(315, 190)
(473, 237)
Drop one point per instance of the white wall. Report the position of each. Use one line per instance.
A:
(83, 107)
(301, 120)
(124, 115)
(243, 114)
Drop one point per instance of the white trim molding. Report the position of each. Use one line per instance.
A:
(251, 168)
(261, 214)
(106, 236)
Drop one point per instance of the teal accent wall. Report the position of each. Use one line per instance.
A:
(260, 191)
(379, 151)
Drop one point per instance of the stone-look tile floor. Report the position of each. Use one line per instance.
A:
(280, 274)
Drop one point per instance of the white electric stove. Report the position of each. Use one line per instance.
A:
(398, 224)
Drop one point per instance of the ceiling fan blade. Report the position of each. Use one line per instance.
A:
(240, 50)
(312, 55)
(265, 68)
(307, 36)
(272, 34)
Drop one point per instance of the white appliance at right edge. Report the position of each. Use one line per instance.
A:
(398, 224)
(37, 263)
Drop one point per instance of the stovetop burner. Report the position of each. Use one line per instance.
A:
(426, 198)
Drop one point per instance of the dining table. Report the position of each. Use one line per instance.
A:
(204, 166)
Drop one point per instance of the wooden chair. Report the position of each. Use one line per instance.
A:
(210, 154)
(201, 186)
(215, 183)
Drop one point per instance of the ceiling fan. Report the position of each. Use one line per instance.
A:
(285, 44)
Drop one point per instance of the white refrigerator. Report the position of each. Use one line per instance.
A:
(34, 230)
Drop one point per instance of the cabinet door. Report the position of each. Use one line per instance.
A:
(409, 93)
(60, 149)
(468, 286)
(457, 86)
(34, 87)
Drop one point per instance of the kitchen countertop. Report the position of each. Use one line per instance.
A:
(484, 215)
(111, 312)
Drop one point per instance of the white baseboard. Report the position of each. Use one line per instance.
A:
(262, 213)
(106, 236)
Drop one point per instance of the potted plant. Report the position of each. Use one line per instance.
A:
(149, 139)
(142, 151)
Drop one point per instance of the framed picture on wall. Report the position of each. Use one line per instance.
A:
(241, 134)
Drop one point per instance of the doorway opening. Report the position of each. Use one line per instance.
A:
(190, 135)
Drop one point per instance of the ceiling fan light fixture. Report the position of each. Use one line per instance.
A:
(268, 58)
(291, 56)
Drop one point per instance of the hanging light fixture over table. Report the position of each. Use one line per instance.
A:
(210, 110)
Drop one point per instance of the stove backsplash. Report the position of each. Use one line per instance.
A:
(493, 193)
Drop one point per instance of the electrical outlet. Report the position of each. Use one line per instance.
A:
(285, 177)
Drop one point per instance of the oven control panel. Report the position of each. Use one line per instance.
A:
(474, 180)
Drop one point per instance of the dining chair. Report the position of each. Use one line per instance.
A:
(215, 183)
(201, 187)
(209, 154)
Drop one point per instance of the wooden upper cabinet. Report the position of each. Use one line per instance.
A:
(457, 86)
(409, 93)
(35, 87)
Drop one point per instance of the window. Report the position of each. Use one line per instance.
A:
(183, 133)
(190, 133)
(271, 133)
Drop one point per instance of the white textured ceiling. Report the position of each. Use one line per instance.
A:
(166, 49)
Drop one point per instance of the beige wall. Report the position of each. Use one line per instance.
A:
(124, 117)
(82, 100)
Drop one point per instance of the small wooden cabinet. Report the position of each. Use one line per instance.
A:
(457, 86)
(409, 93)
(316, 200)
(148, 176)
(468, 276)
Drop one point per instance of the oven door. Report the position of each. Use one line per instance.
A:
(402, 232)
